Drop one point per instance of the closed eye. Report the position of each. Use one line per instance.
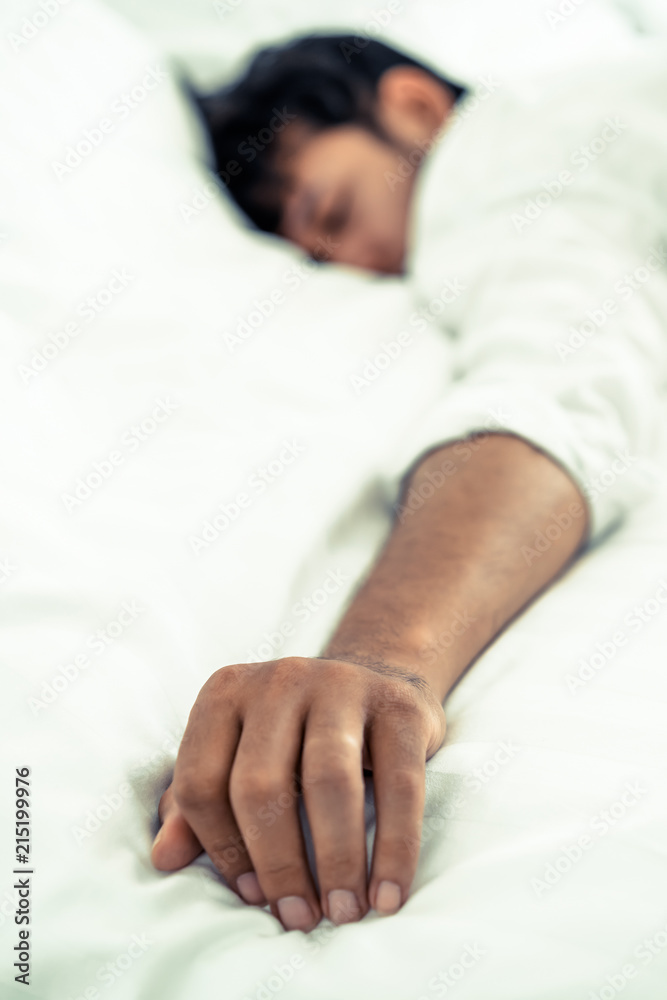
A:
(339, 215)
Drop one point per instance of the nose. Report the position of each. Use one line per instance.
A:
(370, 256)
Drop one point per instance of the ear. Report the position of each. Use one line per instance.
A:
(411, 104)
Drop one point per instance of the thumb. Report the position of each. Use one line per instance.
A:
(175, 845)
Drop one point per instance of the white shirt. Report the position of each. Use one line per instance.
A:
(539, 244)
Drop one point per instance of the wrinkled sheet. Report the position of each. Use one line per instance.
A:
(189, 465)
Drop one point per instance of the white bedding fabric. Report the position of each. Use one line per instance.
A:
(147, 375)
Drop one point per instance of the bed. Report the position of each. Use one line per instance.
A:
(190, 461)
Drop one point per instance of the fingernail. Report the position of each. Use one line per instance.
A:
(388, 898)
(165, 856)
(343, 906)
(295, 913)
(249, 887)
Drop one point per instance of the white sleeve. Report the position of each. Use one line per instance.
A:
(565, 345)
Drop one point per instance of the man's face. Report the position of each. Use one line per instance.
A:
(346, 201)
(348, 195)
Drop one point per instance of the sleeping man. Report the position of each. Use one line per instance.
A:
(543, 210)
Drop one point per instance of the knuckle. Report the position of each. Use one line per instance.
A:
(399, 696)
(332, 773)
(407, 782)
(292, 663)
(281, 871)
(223, 680)
(290, 670)
(344, 670)
(193, 789)
(337, 861)
(401, 848)
(227, 854)
(409, 734)
(403, 711)
(255, 786)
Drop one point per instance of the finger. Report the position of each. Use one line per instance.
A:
(333, 783)
(201, 784)
(265, 798)
(399, 767)
(175, 844)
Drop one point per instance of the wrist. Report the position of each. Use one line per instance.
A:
(415, 654)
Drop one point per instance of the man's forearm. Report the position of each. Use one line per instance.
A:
(463, 557)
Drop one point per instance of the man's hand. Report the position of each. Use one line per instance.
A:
(255, 733)
(462, 561)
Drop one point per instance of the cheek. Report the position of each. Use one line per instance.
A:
(390, 214)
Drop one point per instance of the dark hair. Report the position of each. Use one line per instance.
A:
(323, 80)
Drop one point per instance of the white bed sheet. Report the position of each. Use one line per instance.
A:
(551, 755)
